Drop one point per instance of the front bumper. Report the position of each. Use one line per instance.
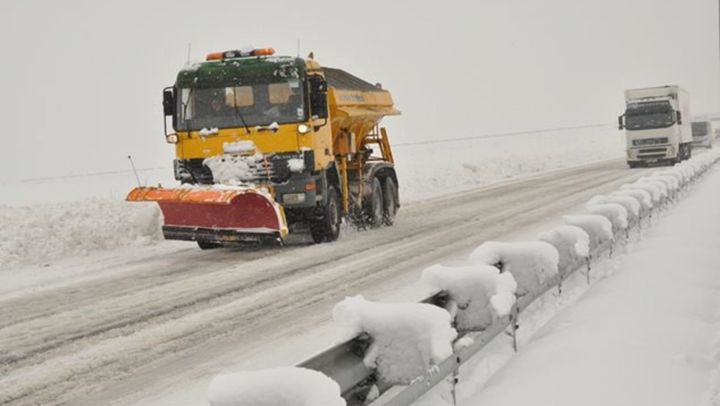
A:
(653, 153)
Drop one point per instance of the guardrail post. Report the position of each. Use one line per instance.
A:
(455, 380)
(514, 315)
(587, 274)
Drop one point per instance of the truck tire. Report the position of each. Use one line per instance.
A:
(327, 228)
(390, 199)
(375, 207)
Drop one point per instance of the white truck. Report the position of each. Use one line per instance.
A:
(655, 131)
(702, 134)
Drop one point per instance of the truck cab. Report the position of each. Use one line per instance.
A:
(655, 131)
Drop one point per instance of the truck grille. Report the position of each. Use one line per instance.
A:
(273, 168)
(652, 150)
(650, 141)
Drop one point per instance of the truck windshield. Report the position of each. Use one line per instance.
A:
(227, 107)
(648, 115)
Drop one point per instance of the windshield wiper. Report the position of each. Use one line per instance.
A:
(237, 112)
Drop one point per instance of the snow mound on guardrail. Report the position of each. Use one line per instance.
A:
(571, 242)
(285, 386)
(479, 294)
(598, 227)
(408, 339)
(631, 204)
(37, 233)
(616, 213)
(530, 263)
(641, 195)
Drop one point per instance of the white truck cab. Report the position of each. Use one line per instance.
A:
(655, 131)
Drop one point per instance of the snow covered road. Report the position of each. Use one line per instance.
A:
(142, 313)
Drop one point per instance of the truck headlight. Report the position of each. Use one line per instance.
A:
(294, 198)
(303, 128)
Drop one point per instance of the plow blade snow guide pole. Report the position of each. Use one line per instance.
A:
(216, 215)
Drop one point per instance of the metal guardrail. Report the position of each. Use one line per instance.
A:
(361, 385)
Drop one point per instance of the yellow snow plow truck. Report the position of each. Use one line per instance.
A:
(268, 144)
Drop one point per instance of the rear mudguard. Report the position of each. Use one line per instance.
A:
(216, 214)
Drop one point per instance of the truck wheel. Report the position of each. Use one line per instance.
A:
(328, 228)
(689, 151)
(206, 245)
(390, 199)
(375, 208)
(632, 164)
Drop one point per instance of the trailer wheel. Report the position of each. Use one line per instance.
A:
(390, 199)
(328, 228)
(375, 208)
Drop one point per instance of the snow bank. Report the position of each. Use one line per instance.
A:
(598, 227)
(631, 204)
(614, 212)
(571, 242)
(478, 294)
(530, 263)
(286, 386)
(408, 339)
(38, 233)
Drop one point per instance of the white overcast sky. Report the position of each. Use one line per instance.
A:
(81, 81)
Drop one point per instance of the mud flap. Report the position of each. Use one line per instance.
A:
(216, 215)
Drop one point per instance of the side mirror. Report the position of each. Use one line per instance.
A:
(168, 102)
(621, 125)
(318, 96)
(678, 117)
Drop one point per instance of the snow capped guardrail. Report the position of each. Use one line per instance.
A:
(402, 350)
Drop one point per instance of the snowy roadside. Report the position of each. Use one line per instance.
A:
(33, 233)
(647, 332)
(36, 233)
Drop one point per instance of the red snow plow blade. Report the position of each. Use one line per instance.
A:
(216, 215)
